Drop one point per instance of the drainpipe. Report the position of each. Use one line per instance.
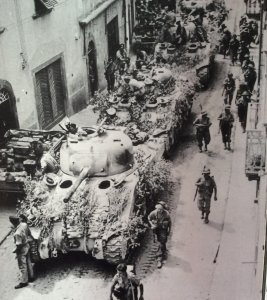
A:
(261, 41)
(84, 42)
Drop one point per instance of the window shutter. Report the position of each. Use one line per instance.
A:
(44, 106)
(50, 95)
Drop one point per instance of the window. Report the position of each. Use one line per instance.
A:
(50, 95)
(43, 7)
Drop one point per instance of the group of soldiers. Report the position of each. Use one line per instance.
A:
(238, 48)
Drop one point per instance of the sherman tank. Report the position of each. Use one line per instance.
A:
(83, 198)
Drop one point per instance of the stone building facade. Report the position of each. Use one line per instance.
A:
(52, 55)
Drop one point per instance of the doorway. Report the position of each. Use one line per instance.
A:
(8, 111)
(92, 68)
(113, 37)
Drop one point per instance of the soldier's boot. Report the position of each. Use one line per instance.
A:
(202, 214)
(159, 262)
(225, 146)
(206, 221)
(200, 149)
(164, 254)
(229, 146)
(206, 148)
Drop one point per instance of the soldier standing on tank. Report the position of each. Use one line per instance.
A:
(228, 89)
(226, 124)
(160, 222)
(206, 185)
(203, 124)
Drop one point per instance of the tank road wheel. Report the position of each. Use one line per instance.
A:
(113, 250)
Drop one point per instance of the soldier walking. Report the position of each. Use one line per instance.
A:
(233, 49)
(205, 187)
(228, 89)
(160, 222)
(242, 108)
(250, 76)
(22, 237)
(203, 124)
(226, 124)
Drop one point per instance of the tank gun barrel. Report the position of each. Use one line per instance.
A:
(79, 180)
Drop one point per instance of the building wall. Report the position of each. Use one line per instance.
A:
(38, 41)
(96, 31)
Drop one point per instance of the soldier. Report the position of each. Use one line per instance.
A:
(110, 74)
(228, 89)
(226, 124)
(160, 222)
(125, 285)
(125, 89)
(22, 237)
(122, 59)
(225, 42)
(247, 61)
(242, 108)
(242, 51)
(233, 48)
(205, 187)
(181, 36)
(242, 88)
(203, 124)
(250, 77)
(141, 58)
(245, 36)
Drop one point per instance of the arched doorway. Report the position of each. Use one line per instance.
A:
(8, 111)
(92, 68)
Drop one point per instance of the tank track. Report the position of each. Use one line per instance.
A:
(113, 250)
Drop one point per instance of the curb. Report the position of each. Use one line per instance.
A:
(5, 237)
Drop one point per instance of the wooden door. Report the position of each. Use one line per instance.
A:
(113, 37)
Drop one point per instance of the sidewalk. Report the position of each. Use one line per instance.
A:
(5, 225)
(234, 276)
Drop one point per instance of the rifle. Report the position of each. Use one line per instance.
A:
(195, 194)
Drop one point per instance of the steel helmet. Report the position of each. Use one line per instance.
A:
(206, 171)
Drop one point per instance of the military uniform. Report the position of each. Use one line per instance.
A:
(203, 124)
(233, 49)
(205, 186)
(125, 285)
(242, 108)
(229, 88)
(250, 76)
(161, 223)
(22, 237)
(226, 123)
(110, 74)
